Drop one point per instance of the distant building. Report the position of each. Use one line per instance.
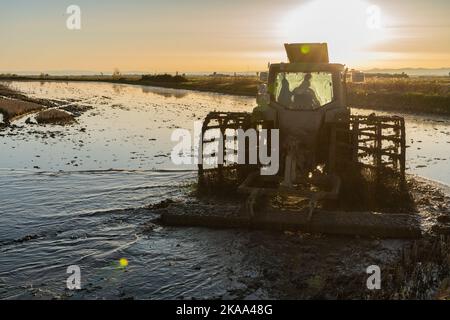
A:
(358, 76)
(264, 76)
(217, 75)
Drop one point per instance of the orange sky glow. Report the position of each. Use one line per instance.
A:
(206, 36)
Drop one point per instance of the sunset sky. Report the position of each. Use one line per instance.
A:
(218, 35)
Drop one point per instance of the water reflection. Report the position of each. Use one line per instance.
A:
(127, 127)
(167, 93)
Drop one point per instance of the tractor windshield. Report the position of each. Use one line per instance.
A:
(304, 90)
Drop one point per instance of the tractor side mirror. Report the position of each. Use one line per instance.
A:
(263, 98)
(262, 89)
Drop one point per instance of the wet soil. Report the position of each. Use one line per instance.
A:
(319, 266)
(54, 116)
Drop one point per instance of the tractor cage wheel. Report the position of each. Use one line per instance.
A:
(379, 143)
(225, 173)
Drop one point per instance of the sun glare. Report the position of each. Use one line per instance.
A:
(349, 27)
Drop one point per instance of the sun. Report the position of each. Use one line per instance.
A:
(349, 27)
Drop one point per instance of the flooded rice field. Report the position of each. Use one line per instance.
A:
(77, 195)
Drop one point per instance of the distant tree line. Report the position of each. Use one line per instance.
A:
(167, 78)
(387, 75)
(8, 75)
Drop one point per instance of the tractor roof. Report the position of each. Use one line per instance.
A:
(308, 57)
(307, 52)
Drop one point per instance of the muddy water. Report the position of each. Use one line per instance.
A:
(65, 195)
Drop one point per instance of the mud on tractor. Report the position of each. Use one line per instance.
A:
(325, 153)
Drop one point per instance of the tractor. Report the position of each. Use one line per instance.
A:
(320, 147)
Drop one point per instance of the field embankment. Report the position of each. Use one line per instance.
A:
(54, 116)
(14, 105)
(244, 86)
(428, 95)
(12, 108)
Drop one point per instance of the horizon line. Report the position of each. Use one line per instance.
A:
(141, 72)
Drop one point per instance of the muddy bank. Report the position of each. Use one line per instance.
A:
(15, 105)
(6, 92)
(12, 108)
(54, 116)
(298, 265)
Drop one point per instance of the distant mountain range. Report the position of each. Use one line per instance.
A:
(413, 71)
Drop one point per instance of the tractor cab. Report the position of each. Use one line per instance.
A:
(304, 98)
